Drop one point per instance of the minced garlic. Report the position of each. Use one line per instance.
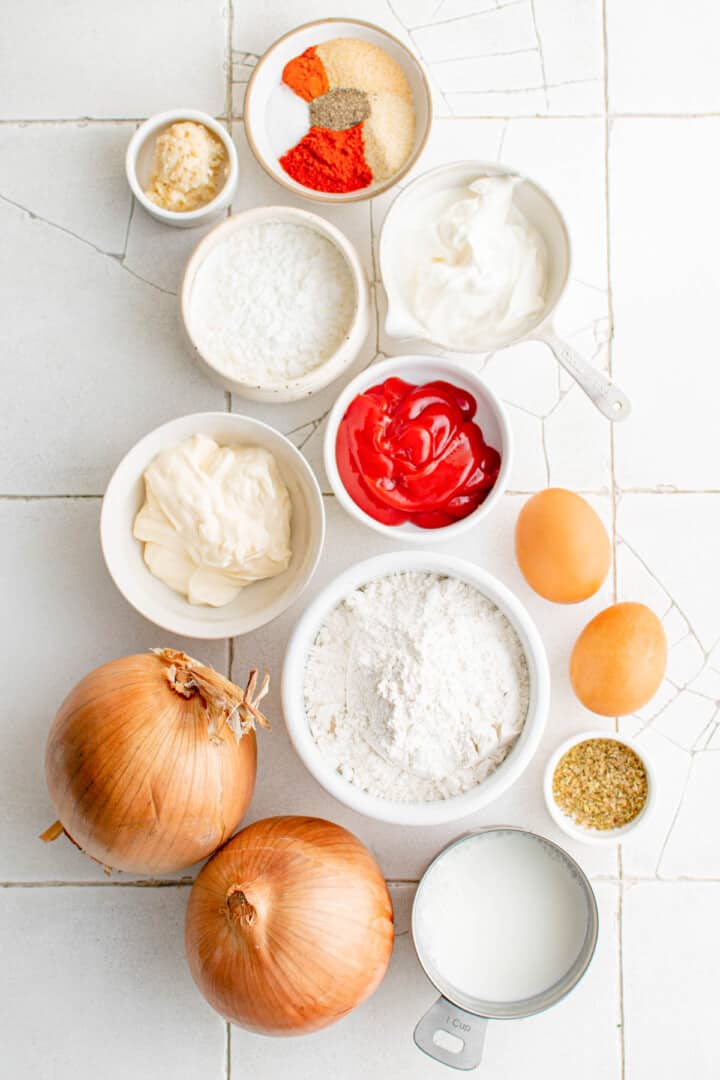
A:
(190, 167)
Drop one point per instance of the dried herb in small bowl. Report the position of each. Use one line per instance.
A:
(600, 784)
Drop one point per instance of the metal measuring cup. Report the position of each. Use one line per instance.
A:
(543, 213)
(453, 1030)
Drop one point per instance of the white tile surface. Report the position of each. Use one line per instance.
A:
(663, 58)
(665, 288)
(94, 983)
(92, 357)
(93, 352)
(128, 60)
(671, 949)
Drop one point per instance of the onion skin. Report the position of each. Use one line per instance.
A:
(289, 926)
(136, 777)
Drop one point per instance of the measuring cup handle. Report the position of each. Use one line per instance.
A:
(451, 1036)
(608, 398)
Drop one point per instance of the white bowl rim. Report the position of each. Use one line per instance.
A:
(384, 369)
(303, 634)
(489, 168)
(335, 236)
(170, 116)
(583, 833)
(188, 626)
(335, 198)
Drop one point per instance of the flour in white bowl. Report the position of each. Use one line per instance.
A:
(416, 687)
(271, 303)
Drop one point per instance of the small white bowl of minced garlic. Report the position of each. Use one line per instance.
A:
(599, 787)
(182, 167)
(212, 525)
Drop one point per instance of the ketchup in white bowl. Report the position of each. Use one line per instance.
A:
(413, 453)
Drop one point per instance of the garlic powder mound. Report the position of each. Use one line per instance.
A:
(190, 167)
(388, 133)
(351, 62)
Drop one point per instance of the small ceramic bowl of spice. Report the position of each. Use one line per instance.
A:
(338, 110)
(599, 787)
(182, 167)
(275, 303)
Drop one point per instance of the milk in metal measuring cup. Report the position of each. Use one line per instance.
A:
(505, 924)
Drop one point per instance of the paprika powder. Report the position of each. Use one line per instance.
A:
(328, 160)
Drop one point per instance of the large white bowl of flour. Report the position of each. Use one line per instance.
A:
(415, 688)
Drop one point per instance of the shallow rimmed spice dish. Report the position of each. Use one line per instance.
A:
(590, 779)
(276, 119)
(304, 302)
(139, 165)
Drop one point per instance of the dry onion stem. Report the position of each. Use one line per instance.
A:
(289, 926)
(151, 761)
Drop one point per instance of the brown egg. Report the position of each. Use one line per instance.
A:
(619, 660)
(561, 546)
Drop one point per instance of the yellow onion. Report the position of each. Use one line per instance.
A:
(289, 926)
(151, 761)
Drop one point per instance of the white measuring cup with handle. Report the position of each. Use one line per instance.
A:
(542, 213)
(453, 1030)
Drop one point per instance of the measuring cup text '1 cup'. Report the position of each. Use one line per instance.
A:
(410, 207)
(505, 924)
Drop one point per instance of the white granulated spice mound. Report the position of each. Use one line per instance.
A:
(416, 687)
(271, 303)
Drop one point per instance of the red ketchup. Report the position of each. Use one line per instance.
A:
(413, 453)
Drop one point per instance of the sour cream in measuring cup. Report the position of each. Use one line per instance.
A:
(480, 267)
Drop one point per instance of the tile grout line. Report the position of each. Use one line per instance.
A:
(86, 121)
(613, 501)
(186, 883)
(600, 492)
(228, 395)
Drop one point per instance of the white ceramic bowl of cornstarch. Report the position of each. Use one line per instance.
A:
(415, 688)
(367, 71)
(275, 303)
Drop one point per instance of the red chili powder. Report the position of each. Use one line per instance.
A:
(329, 160)
(306, 75)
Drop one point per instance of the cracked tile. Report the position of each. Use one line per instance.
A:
(505, 29)
(678, 725)
(132, 61)
(121, 356)
(93, 200)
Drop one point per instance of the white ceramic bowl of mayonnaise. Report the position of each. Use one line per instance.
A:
(139, 159)
(490, 417)
(403, 239)
(328, 369)
(256, 604)
(293, 689)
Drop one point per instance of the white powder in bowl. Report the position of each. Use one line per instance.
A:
(416, 687)
(271, 303)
